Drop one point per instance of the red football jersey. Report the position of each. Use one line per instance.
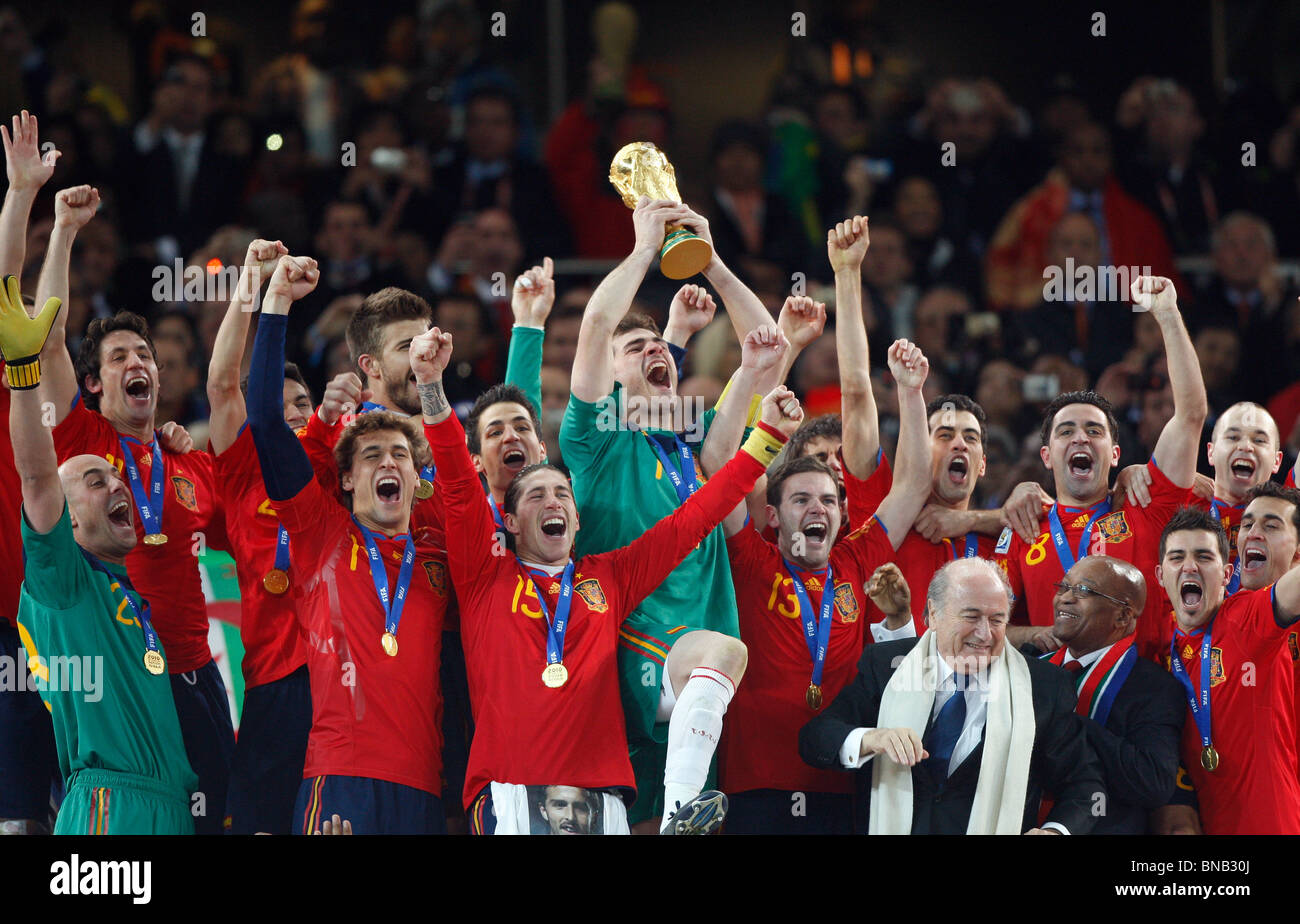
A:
(11, 501)
(273, 644)
(373, 715)
(1131, 534)
(760, 740)
(917, 557)
(166, 575)
(1254, 790)
(525, 732)
(1290, 476)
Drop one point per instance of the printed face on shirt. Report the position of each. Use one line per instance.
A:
(392, 367)
(1080, 453)
(545, 519)
(808, 519)
(1194, 576)
(956, 455)
(128, 379)
(297, 404)
(1244, 451)
(567, 809)
(509, 444)
(100, 506)
(382, 480)
(971, 625)
(643, 364)
(1267, 545)
(1085, 621)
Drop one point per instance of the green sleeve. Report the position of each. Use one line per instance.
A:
(524, 363)
(55, 573)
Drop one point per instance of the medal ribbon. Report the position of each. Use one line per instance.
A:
(428, 472)
(684, 479)
(282, 549)
(1103, 681)
(972, 546)
(1201, 709)
(1234, 582)
(124, 584)
(556, 628)
(379, 574)
(1058, 534)
(151, 507)
(816, 629)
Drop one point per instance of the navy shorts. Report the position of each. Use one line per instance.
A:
(209, 735)
(269, 753)
(373, 806)
(778, 811)
(29, 764)
(457, 721)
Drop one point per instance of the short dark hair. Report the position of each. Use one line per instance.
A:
(1190, 518)
(379, 309)
(827, 426)
(500, 393)
(637, 320)
(1079, 397)
(88, 358)
(961, 403)
(517, 483)
(777, 479)
(1273, 489)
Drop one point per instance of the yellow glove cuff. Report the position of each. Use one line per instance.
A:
(24, 374)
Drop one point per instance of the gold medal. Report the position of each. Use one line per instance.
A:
(1209, 758)
(276, 581)
(424, 490)
(155, 539)
(153, 662)
(555, 675)
(813, 697)
(389, 641)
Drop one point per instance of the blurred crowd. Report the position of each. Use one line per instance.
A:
(426, 162)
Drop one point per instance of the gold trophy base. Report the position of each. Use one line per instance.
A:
(683, 254)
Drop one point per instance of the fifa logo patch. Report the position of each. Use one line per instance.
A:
(436, 572)
(1114, 527)
(846, 603)
(184, 489)
(591, 593)
(1216, 667)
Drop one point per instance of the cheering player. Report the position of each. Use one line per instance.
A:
(266, 772)
(1232, 659)
(800, 601)
(177, 507)
(540, 606)
(1080, 448)
(119, 745)
(367, 581)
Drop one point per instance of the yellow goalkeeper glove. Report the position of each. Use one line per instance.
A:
(23, 337)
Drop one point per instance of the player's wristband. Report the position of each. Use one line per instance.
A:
(764, 444)
(23, 374)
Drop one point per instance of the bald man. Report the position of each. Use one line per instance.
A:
(1132, 710)
(97, 662)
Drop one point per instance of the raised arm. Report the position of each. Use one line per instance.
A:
(1286, 598)
(531, 301)
(21, 338)
(911, 485)
(73, 208)
(760, 364)
(224, 395)
(802, 320)
(690, 311)
(1176, 450)
(746, 310)
(846, 245)
(593, 365)
(27, 172)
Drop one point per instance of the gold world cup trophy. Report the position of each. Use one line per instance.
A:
(641, 169)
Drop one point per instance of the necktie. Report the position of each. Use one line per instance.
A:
(1074, 667)
(944, 733)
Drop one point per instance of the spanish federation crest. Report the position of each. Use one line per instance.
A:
(436, 571)
(591, 593)
(846, 603)
(1216, 667)
(1114, 527)
(1295, 646)
(184, 489)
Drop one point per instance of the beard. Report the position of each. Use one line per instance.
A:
(401, 391)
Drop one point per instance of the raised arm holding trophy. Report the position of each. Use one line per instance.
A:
(641, 169)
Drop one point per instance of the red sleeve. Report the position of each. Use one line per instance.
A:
(1166, 498)
(868, 545)
(1006, 555)
(1290, 476)
(237, 468)
(746, 551)
(643, 564)
(865, 494)
(1253, 612)
(318, 440)
(465, 507)
(203, 466)
(84, 430)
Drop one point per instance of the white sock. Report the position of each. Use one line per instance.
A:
(693, 732)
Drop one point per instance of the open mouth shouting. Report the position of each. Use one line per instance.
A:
(1080, 464)
(959, 470)
(658, 375)
(815, 532)
(554, 526)
(513, 460)
(388, 490)
(1254, 558)
(1191, 594)
(1243, 470)
(138, 388)
(120, 514)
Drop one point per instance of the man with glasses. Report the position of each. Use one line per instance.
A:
(1132, 711)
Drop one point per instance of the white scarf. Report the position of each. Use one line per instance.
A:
(908, 700)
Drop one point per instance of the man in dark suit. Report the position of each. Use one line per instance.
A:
(960, 720)
(1133, 719)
